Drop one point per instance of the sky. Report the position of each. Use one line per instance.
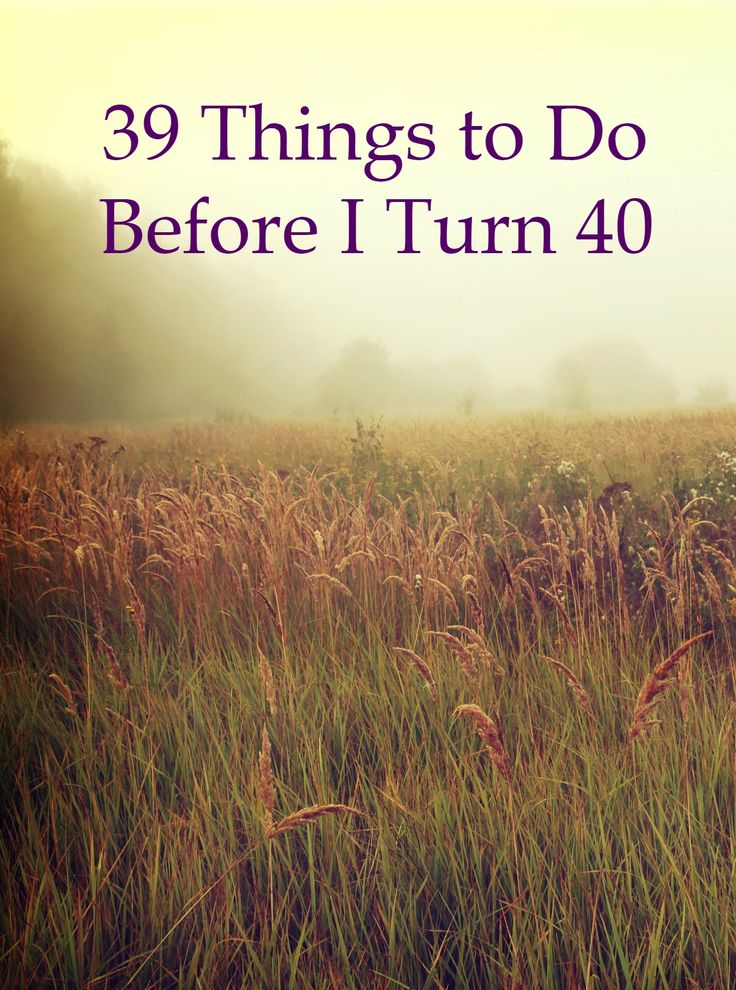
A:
(667, 67)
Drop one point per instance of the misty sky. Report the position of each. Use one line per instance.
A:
(668, 67)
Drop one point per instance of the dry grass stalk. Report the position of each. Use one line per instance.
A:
(335, 582)
(562, 611)
(65, 693)
(446, 594)
(506, 573)
(577, 688)
(473, 635)
(474, 605)
(477, 645)
(421, 665)
(368, 495)
(656, 684)
(114, 672)
(308, 815)
(398, 579)
(470, 587)
(266, 673)
(138, 614)
(266, 789)
(490, 734)
(273, 615)
(352, 558)
(461, 652)
(684, 688)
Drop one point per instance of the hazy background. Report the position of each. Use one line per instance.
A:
(88, 336)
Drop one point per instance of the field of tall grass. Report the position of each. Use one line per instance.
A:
(419, 705)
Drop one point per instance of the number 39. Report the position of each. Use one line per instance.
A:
(130, 137)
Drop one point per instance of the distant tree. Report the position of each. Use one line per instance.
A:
(570, 385)
(613, 373)
(84, 336)
(466, 402)
(360, 380)
(711, 393)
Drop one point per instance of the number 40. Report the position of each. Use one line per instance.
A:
(596, 218)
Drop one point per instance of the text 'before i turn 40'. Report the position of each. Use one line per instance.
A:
(384, 150)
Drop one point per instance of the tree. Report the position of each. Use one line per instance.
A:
(360, 380)
(570, 386)
(713, 392)
(608, 374)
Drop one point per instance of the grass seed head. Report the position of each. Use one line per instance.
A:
(308, 815)
(266, 789)
(490, 734)
(421, 665)
(655, 686)
(577, 688)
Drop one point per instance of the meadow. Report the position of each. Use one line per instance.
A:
(415, 704)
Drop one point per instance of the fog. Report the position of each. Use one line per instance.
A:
(90, 336)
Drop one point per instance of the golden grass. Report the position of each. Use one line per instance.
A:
(203, 625)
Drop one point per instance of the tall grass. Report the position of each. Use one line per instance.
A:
(282, 711)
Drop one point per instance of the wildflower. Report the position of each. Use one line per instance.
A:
(727, 461)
